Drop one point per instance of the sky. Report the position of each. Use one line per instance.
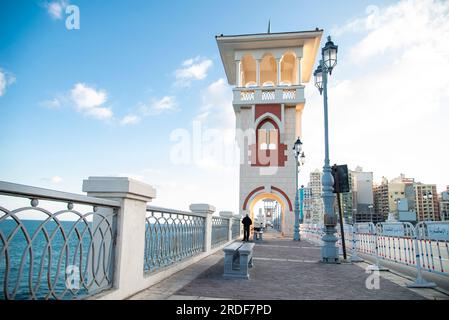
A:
(124, 94)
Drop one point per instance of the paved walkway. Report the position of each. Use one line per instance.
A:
(284, 269)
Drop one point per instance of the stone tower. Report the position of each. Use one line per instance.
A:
(268, 72)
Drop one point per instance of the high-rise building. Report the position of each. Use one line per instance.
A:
(381, 198)
(307, 204)
(426, 202)
(444, 205)
(315, 185)
(389, 194)
(347, 201)
(363, 193)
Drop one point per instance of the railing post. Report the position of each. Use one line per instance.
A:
(376, 231)
(228, 215)
(130, 244)
(239, 218)
(207, 210)
(420, 282)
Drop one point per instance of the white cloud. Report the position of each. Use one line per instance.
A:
(56, 8)
(217, 120)
(56, 179)
(216, 108)
(6, 79)
(402, 26)
(53, 179)
(2, 83)
(89, 101)
(130, 119)
(100, 113)
(85, 97)
(156, 107)
(134, 176)
(388, 96)
(51, 104)
(193, 69)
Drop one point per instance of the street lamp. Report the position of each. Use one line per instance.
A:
(329, 251)
(371, 211)
(299, 161)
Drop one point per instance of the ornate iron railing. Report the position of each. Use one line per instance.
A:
(220, 227)
(55, 258)
(171, 236)
(236, 227)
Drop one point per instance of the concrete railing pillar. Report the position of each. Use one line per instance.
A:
(130, 245)
(205, 210)
(228, 215)
(239, 217)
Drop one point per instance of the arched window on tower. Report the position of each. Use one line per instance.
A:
(267, 136)
(268, 70)
(248, 70)
(288, 69)
(268, 151)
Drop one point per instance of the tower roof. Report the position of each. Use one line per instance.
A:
(309, 40)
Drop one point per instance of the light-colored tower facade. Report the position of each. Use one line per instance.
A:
(268, 72)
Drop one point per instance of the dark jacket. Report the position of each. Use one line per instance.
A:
(247, 222)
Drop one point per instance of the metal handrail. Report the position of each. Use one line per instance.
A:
(24, 191)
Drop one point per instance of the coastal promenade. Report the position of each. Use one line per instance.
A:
(285, 269)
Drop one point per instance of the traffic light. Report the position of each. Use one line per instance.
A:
(341, 178)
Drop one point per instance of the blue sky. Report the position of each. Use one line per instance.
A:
(104, 99)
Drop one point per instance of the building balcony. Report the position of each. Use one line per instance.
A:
(291, 95)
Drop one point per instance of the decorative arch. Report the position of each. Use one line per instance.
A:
(268, 151)
(257, 191)
(271, 116)
(271, 196)
(288, 68)
(260, 193)
(248, 70)
(268, 70)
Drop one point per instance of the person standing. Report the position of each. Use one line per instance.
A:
(247, 222)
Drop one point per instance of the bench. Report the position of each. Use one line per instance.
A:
(238, 259)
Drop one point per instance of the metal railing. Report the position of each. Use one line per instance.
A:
(220, 231)
(236, 228)
(43, 255)
(171, 236)
(424, 246)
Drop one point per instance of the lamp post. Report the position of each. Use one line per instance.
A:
(299, 160)
(329, 251)
(371, 211)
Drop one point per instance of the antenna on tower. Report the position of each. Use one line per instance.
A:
(269, 26)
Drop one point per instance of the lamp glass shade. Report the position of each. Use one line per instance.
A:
(329, 53)
(318, 74)
(297, 147)
(303, 158)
